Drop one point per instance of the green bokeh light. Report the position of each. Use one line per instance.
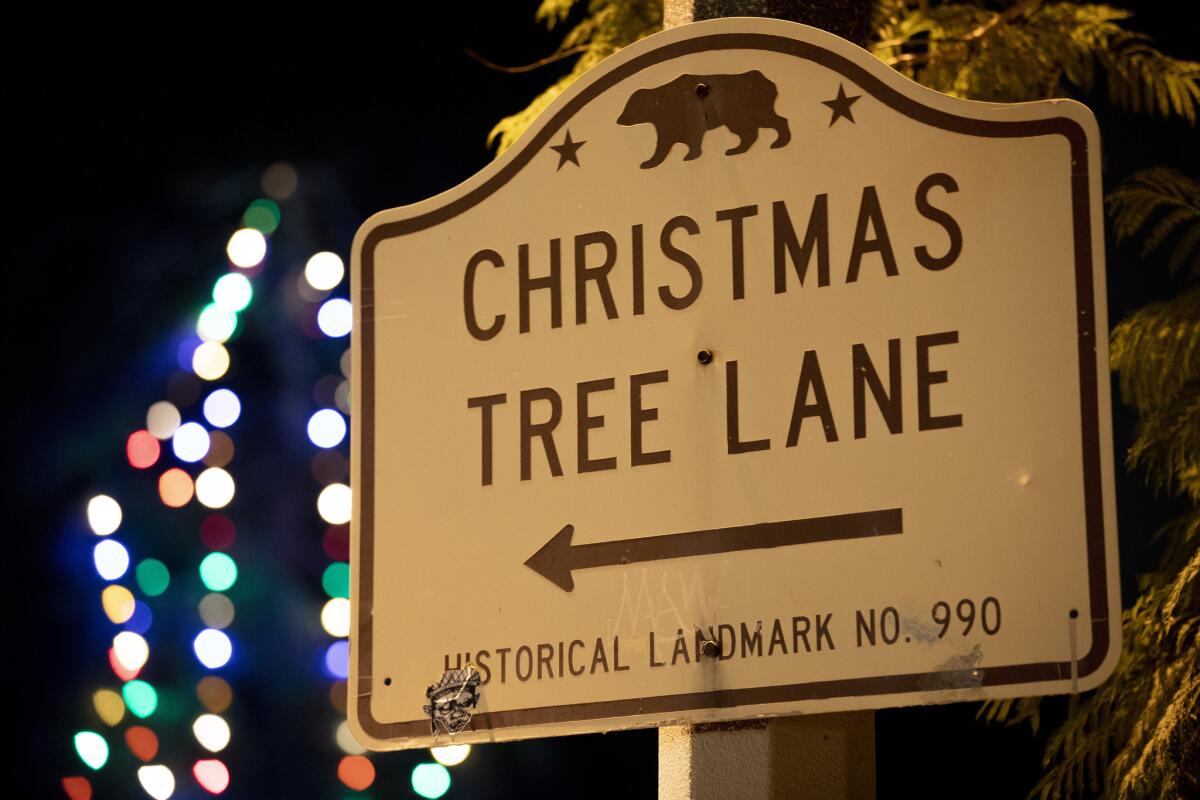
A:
(262, 215)
(140, 698)
(218, 572)
(336, 579)
(153, 577)
(430, 780)
(92, 749)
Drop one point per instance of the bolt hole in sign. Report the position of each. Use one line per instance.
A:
(888, 482)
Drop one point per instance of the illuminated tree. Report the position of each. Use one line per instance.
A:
(1138, 735)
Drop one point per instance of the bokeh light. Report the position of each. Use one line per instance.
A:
(109, 706)
(279, 181)
(214, 694)
(162, 419)
(213, 648)
(232, 292)
(210, 361)
(184, 357)
(103, 515)
(247, 248)
(92, 749)
(335, 617)
(142, 449)
(329, 466)
(357, 772)
(190, 442)
(220, 449)
(218, 532)
(175, 487)
(141, 619)
(430, 780)
(337, 659)
(336, 579)
(324, 271)
(131, 650)
(157, 780)
(451, 755)
(215, 324)
(262, 215)
(212, 732)
(346, 741)
(334, 503)
(222, 408)
(218, 572)
(214, 487)
(212, 775)
(216, 610)
(142, 742)
(118, 603)
(337, 696)
(341, 397)
(118, 670)
(77, 787)
(326, 428)
(336, 542)
(335, 318)
(152, 576)
(140, 698)
(111, 559)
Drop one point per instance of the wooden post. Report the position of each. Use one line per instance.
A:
(825, 756)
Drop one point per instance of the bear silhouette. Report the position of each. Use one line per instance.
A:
(685, 109)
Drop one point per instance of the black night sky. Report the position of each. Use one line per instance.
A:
(132, 149)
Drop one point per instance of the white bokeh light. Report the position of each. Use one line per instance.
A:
(333, 504)
(213, 648)
(335, 318)
(190, 442)
(247, 248)
(214, 487)
(222, 408)
(232, 292)
(215, 324)
(210, 360)
(103, 515)
(324, 271)
(451, 755)
(212, 732)
(130, 650)
(111, 559)
(162, 419)
(157, 780)
(335, 617)
(326, 428)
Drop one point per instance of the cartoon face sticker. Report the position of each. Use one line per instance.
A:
(452, 700)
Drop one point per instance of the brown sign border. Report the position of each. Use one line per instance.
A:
(853, 687)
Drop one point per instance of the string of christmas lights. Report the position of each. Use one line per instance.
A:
(327, 430)
(191, 459)
(183, 456)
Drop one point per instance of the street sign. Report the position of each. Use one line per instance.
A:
(754, 380)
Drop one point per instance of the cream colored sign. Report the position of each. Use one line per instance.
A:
(754, 380)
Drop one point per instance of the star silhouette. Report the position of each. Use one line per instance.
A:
(567, 151)
(841, 105)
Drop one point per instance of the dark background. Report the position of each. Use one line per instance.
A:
(131, 152)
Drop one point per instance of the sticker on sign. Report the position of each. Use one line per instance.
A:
(753, 380)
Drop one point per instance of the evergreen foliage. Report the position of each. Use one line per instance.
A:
(1138, 735)
(1032, 51)
(608, 26)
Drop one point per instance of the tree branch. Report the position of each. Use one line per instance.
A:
(559, 56)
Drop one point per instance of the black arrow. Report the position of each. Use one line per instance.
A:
(558, 557)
